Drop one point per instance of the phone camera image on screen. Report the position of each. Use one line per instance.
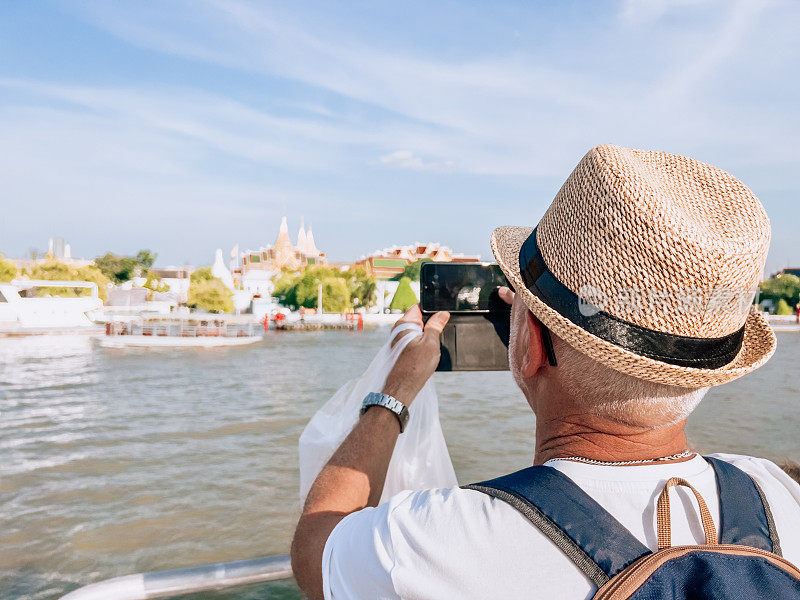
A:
(476, 336)
(461, 287)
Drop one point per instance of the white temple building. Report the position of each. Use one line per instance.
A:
(220, 271)
(301, 237)
(256, 267)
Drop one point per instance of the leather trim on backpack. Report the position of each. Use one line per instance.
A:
(626, 583)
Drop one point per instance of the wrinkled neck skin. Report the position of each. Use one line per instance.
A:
(562, 430)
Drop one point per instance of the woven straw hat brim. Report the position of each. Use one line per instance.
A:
(758, 345)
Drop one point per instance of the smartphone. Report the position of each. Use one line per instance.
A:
(476, 337)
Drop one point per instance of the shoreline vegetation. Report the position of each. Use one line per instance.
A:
(343, 290)
(782, 292)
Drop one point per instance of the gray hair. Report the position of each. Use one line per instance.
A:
(609, 393)
(594, 388)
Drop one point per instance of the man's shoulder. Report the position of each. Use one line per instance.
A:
(444, 505)
(440, 542)
(431, 513)
(759, 468)
(433, 518)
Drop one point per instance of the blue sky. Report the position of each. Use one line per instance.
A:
(190, 125)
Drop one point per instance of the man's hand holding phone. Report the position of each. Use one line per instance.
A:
(477, 296)
(419, 358)
(506, 294)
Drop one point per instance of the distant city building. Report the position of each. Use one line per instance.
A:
(389, 262)
(59, 249)
(256, 267)
(56, 248)
(165, 273)
(177, 280)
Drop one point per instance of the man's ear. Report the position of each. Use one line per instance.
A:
(535, 354)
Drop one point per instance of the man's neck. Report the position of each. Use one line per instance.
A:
(605, 440)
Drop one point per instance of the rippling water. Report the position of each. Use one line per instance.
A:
(121, 461)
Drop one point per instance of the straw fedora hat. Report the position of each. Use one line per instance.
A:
(648, 262)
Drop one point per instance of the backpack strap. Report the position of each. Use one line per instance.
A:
(594, 540)
(745, 517)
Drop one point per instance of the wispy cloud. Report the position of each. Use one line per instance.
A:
(641, 12)
(312, 110)
(406, 159)
(492, 115)
(721, 46)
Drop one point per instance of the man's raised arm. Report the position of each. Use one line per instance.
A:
(353, 478)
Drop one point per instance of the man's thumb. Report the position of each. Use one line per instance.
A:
(436, 323)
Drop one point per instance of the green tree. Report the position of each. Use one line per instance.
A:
(404, 298)
(285, 290)
(8, 270)
(124, 268)
(201, 274)
(302, 289)
(784, 287)
(783, 308)
(52, 269)
(117, 268)
(412, 271)
(154, 284)
(335, 294)
(146, 259)
(92, 273)
(361, 285)
(211, 295)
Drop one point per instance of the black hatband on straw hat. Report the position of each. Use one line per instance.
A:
(701, 353)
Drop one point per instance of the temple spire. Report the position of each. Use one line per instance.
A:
(301, 237)
(283, 240)
(311, 247)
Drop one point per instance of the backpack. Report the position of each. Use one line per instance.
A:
(744, 562)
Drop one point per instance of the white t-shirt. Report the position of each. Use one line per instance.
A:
(454, 543)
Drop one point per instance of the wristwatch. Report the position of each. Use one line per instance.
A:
(386, 401)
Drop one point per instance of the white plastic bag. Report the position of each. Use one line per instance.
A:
(420, 459)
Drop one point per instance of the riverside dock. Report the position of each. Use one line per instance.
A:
(784, 323)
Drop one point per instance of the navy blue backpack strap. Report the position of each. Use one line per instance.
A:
(594, 540)
(745, 517)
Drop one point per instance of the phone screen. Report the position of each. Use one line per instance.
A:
(461, 287)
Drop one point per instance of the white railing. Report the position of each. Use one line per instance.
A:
(208, 328)
(175, 582)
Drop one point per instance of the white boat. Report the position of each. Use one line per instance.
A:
(22, 312)
(198, 332)
(141, 341)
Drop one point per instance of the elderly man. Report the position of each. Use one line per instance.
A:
(641, 274)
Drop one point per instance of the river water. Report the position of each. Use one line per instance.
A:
(121, 461)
